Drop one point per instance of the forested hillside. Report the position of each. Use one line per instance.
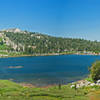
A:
(32, 42)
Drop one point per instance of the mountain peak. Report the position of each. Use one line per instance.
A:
(15, 30)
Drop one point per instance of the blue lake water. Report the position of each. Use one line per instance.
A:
(46, 70)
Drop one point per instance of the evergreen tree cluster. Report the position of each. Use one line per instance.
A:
(39, 43)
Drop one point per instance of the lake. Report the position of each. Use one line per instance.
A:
(46, 70)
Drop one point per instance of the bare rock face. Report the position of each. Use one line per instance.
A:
(15, 30)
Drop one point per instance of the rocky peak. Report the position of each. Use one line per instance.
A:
(15, 30)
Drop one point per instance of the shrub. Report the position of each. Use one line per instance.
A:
(95, 71)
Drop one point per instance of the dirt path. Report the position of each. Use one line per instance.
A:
(95, 95)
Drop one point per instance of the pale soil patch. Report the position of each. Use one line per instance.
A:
(95, 95)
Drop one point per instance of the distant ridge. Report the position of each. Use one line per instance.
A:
(16, 40)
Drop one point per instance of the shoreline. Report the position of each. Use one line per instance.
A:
(52, 54)
(35, 86)
(28, 84)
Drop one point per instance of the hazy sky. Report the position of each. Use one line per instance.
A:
(66, 18)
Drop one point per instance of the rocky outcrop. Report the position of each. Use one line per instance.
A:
(84, 83)
(14, 30)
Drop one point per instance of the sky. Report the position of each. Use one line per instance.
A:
(61, 18)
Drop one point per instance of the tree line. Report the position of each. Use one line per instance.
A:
(39, 43)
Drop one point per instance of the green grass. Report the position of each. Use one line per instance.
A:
(89, 79)
(12, 91)
(0, 39)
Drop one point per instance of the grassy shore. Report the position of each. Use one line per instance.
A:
(13, 91)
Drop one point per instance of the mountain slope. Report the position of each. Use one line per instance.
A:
(33, 42)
